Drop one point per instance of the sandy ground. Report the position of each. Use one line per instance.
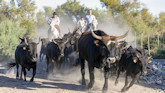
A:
(68, 82)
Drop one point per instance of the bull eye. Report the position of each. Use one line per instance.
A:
(149, 61)
(134, 60)
(24, 48)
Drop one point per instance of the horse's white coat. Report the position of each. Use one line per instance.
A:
(53, 33)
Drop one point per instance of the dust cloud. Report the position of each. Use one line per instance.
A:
(111, 28)
(73, 73)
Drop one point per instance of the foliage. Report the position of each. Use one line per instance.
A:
(73, 9)
(139, 19)
(24, 12)
(9, 37)
(21, 17)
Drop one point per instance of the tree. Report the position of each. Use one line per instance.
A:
(41, 21)
(162, 22)
(5, 11)
(48, 12)
(146, 16)
(9, 37)
(72, 10)
(24, 12)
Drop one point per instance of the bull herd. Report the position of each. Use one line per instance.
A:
(96, 47)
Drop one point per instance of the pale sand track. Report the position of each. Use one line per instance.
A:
(63, 84)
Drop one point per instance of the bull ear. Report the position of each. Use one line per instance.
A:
(21, 38)
(96, 42)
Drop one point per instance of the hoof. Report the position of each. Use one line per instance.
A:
(17, 78)
(31, 80)
(90, 86)
(21, 79)
(104, 91)
(116, 83)
(83, 82)
(89, 90)
(123, 90)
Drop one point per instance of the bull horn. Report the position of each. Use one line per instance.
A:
(138, 54)
(66, 41)
(121, 37)
(96, 36)
(39, 40)
(75, 30)
(149, 57)
(54, 41)
(26, 41)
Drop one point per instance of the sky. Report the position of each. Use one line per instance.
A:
(54, 3)
(154, 6)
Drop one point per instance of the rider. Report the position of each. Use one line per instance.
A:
(81, 24)
(55, 21)
(89, 20)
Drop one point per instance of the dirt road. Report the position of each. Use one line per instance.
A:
(66, 83)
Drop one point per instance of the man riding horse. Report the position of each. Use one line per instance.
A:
(54, 30)
(90, 20)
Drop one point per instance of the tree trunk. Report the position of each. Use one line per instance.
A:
(142, 41)
(135, 40)
(158, 40)
(163, 41)
(148, 44)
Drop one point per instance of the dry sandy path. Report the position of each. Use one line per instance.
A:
(63, 83)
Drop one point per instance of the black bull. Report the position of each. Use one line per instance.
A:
(55, 50)
(44, 43)
(26, 56)
(55, 53)
(134, 62)
(98, 49)
(119, 51)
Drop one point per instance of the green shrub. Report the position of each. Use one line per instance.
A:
(9, 37)
(160, 54)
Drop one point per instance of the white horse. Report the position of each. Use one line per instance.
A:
(95, 23)
(53, 32)
(92, 26)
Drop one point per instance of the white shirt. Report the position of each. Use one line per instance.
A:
(89, 19)
(55, 21)
(81, 23)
